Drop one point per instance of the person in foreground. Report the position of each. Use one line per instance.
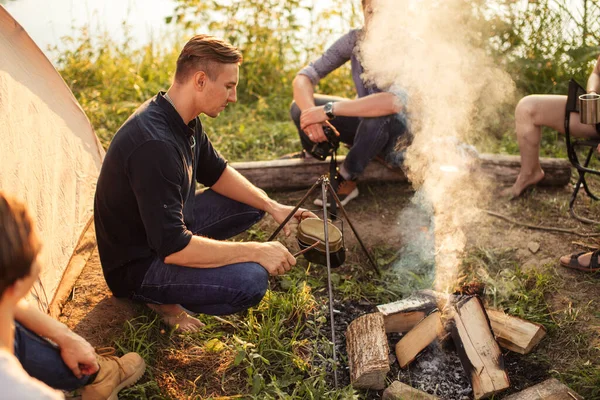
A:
(161, 242)
(536, 111)
(26, 358)
(371, 124)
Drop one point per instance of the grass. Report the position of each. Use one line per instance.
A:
(277, 350)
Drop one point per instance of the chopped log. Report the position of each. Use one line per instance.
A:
(298, 173)
(514, 333)
(401, 316)
(551, 389)
(400, 391)
(418, 338)
(478, 351)
(367, 347)
(403, 322)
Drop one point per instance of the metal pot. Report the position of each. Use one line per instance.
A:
(311, 231)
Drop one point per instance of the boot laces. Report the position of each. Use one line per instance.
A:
(108, 353)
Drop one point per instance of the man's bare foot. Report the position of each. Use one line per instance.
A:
(174, 315)
(523, 182)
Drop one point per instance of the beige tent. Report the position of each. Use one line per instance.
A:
(49, 158)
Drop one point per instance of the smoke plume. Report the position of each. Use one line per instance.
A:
(423, 48)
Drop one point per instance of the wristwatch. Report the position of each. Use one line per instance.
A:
(329, 110)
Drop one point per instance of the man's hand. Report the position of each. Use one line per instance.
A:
(313, 115)
(279, 212)
(315, 133)
(78, 354)
(274, 257)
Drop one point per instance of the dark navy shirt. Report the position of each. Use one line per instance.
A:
(145, 195)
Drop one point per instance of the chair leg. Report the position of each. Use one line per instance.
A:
(585, 185)
(580, 182)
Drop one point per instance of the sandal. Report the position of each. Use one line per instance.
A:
(574, 263)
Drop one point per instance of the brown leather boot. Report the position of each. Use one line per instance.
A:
(114, 374)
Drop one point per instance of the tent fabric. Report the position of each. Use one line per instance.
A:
(50, 157)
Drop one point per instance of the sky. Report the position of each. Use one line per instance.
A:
(47, 21)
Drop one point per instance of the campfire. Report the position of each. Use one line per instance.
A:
(428, 317)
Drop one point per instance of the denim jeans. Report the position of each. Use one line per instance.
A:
(42, 360)
(215, 291)
(368, 137)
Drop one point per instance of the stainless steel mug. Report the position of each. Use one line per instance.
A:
(589, 109)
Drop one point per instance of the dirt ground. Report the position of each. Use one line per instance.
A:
(97, 316)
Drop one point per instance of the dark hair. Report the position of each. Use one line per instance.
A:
(19, 244)
(205, 52)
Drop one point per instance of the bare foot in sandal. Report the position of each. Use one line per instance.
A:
(524, 181)
(174, 315)
(587, 262)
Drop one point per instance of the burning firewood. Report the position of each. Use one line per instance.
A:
(514, 333)
(401, 316)
(551, 389)
(418, 338)
(400, 391)
(367, 347)
(478, 351)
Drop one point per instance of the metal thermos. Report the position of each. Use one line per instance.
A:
(589, 109)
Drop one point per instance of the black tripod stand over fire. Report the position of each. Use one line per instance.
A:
(326, 188)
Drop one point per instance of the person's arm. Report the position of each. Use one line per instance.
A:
(303, 85)
(202, 252)
(233, 185)
(374, 105)
(593, 83)
(75, 351)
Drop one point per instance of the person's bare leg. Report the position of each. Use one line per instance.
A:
(532, 113)
(174, 315)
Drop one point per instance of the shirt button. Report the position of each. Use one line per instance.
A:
(164, 206)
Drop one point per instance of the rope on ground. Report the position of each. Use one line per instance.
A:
(542, 228)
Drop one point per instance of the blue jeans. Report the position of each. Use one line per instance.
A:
(215, 291)
(368, 137)
(42, 360)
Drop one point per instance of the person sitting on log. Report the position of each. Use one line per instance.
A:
(161, 242)
(30, 365)
(371, 124)
(536, 111)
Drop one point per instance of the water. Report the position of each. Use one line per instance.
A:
(48, 21)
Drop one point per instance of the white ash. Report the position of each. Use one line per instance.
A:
(438, 372)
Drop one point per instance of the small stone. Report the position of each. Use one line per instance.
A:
(534, 247)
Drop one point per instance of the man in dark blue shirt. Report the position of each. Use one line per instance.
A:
(160, 241)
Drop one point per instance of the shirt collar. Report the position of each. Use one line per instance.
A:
(176, 120)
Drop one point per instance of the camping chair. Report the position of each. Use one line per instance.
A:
(575, 90)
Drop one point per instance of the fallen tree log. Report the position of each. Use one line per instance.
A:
(551, 389)
(514, 333)
(478, 351)
(367, 348)
(298, 173)
(418, 338)
(399, 391)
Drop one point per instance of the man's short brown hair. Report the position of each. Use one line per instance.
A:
(19, 244)
(205, 53)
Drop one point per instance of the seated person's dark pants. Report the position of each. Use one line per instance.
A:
(215, 291)
(368, 137)
(42, 360)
